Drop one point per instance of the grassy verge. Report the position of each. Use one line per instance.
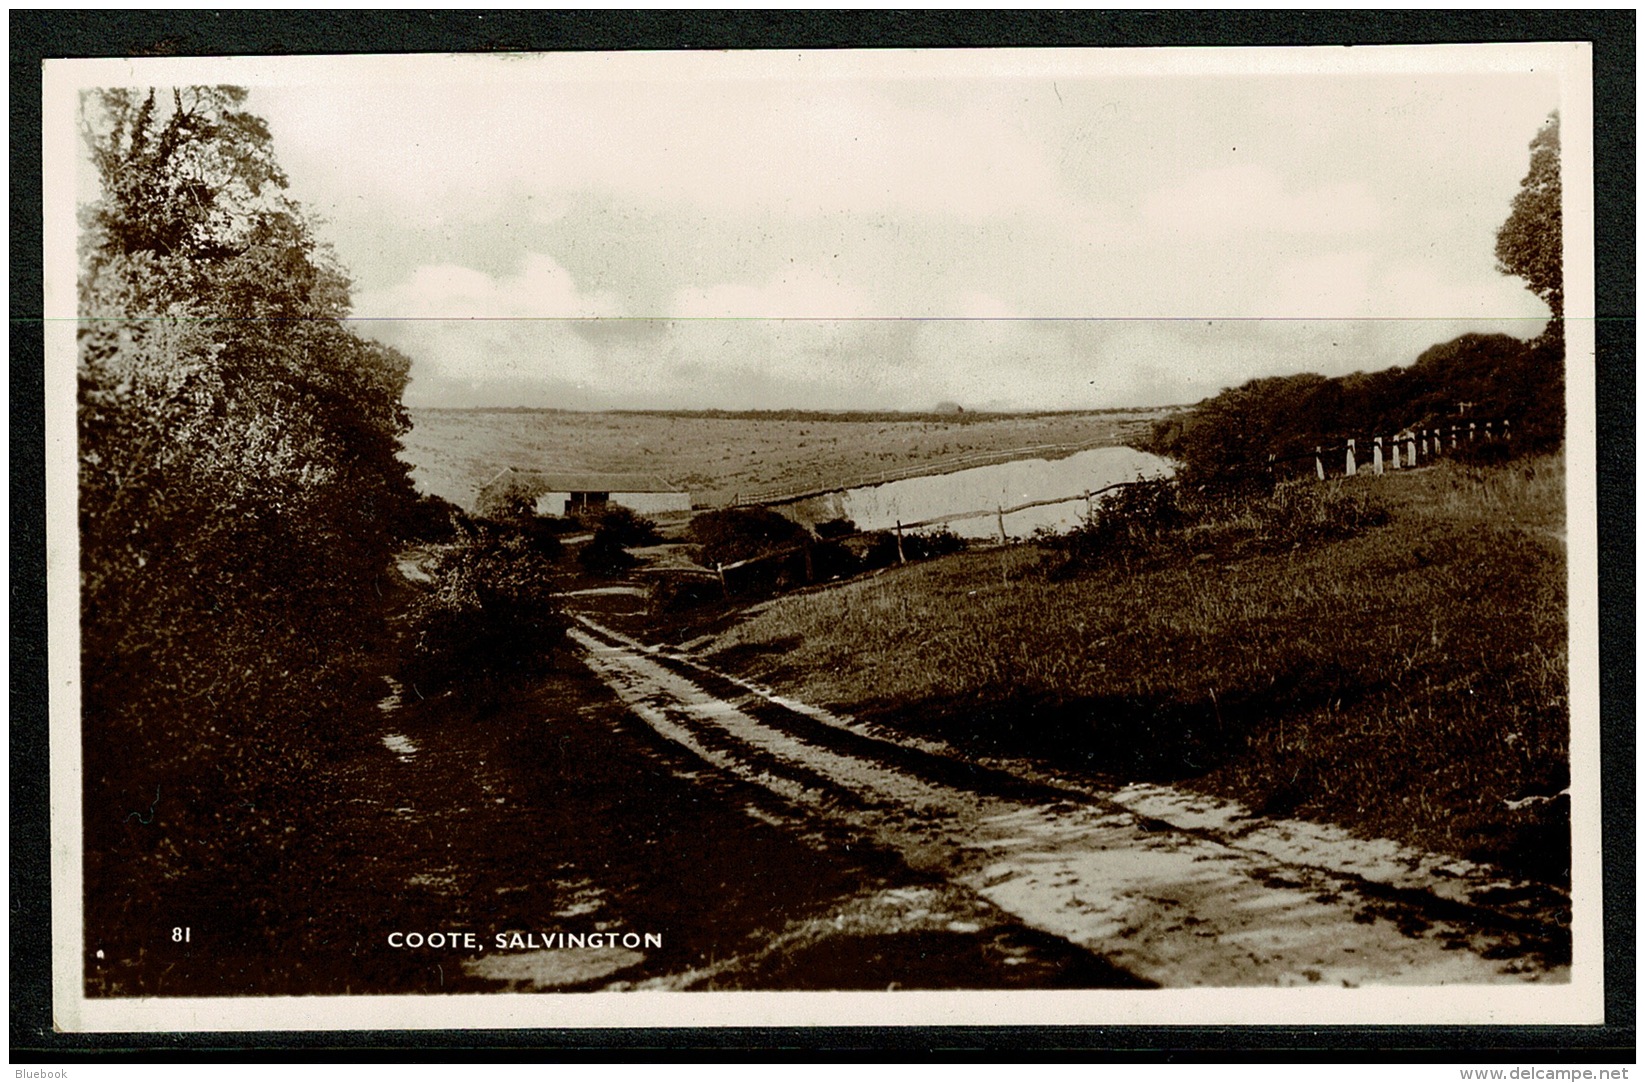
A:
(1407, 681)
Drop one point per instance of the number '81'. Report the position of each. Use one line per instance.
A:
(180, 934)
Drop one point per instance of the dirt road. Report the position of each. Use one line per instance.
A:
(1165, 887)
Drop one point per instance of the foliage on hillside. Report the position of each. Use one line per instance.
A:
(1160, 521)
(1225, 441)
(240, 494)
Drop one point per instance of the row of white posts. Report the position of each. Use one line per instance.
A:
(1414, 446)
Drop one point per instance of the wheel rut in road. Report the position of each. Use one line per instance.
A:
(1173, 888)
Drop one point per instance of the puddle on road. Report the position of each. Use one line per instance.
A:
(400, 745)
(391, 702)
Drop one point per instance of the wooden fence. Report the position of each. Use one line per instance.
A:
(1404, 449)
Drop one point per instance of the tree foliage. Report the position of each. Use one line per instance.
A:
(728, 535)
(240, 491)
(1224, 442)
(1528, 244)
(492, 619)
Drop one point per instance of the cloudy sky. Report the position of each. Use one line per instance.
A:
(863, 230)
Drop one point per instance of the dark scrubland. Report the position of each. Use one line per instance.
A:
(1385, 653)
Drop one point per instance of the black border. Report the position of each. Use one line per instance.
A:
(37, 35)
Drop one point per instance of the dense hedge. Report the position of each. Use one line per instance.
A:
(1225, 441)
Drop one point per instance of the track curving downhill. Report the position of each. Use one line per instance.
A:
(1171, 888)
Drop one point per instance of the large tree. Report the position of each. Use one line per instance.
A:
(240, 490)
(1528, 244)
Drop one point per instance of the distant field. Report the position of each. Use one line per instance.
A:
(720, 457)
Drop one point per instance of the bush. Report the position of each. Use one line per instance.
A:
(1160, 519)
(604, 555)
(623, 526)
(732, 534)
(671, 593)
(432, 519)
(616, 529)
(1305, 513)
(931, 543)
(836, 528)
(492, 617)
(1130, 520)
(1482, 452)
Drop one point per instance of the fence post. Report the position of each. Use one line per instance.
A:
(1349, 466)
(1425, 448)
(1319, 463)
(1376, 455)
(900, 558)
(724, 590)
(1470, 432)
(1393, 451)
(1489, 435)
(1089, 511)
(1000, 511)
(1505, 433)
(1413, 438)
(810, 572)
(1453, 437)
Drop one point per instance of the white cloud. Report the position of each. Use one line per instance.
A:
(465, 329)
(1247, 198)
(789, 147)
(541, 290)
(1361, 206)
(800, 293)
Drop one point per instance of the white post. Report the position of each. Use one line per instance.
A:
(1319, 464)
(1393, 451)
(1505, 433)
(1470, 432)
(1376, 455)
(1453, 437)
(1349, 466)
(1489, 435)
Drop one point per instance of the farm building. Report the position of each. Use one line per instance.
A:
(563, 494)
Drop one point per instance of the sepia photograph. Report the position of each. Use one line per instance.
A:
(900, 536)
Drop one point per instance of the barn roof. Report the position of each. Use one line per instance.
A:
(544, 481)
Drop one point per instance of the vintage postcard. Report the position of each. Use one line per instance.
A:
(875, 537)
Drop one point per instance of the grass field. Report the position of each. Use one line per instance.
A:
(1409, 681)
(719, 457)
